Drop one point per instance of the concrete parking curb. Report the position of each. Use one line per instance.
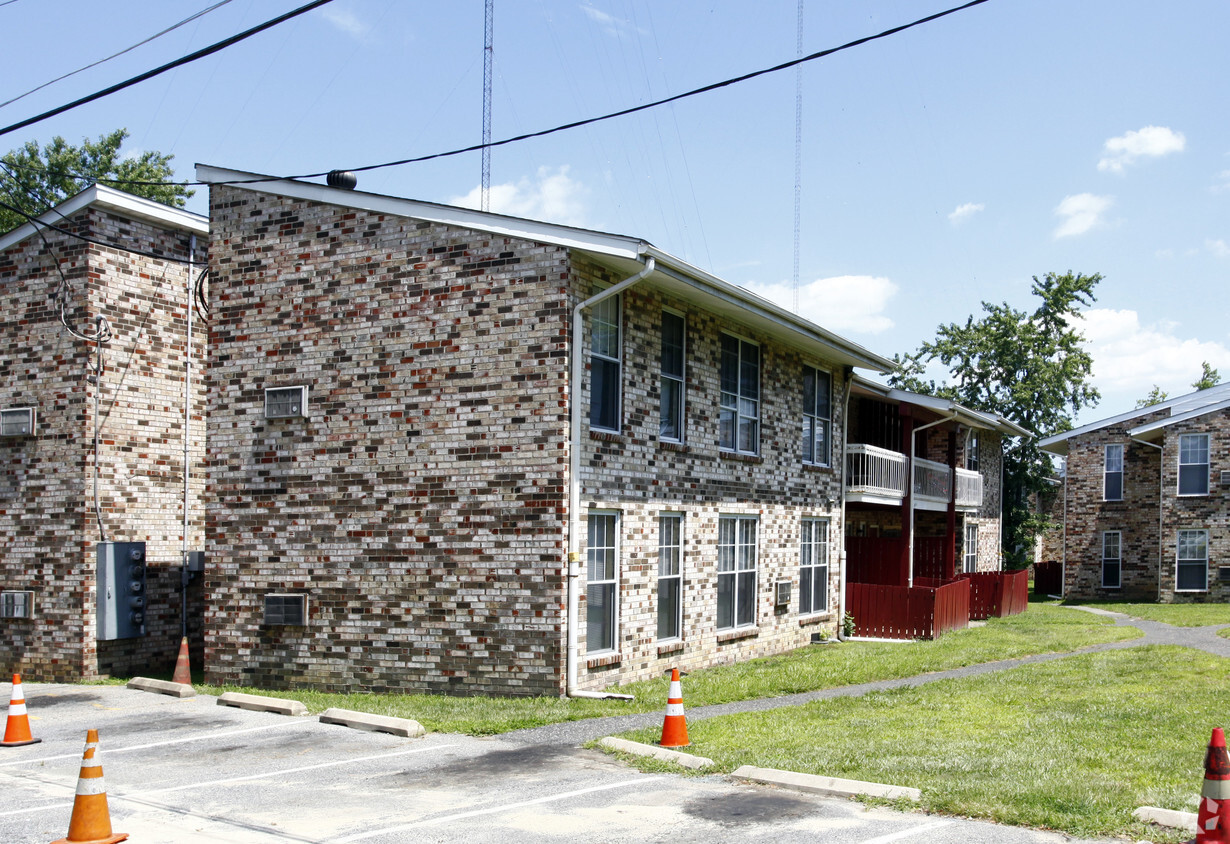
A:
(824, 785)
(162, 687)
(406, 727)
(259, 703)
(1166, 817)
(687, 760)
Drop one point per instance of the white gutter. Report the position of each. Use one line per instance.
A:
(910, 481)
(574, 480)
(1161, 512)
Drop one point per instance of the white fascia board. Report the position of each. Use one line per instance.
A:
(119, 202)
(1195, 403)
(965, 415)
(1143, 431)
(847, 350)
(468, 218)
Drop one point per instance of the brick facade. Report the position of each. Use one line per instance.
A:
(49, 526)
(1150, 515)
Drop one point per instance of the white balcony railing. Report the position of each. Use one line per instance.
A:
(871, 470)
(932, 481)
(969, 488)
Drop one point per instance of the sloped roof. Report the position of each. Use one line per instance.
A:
(1184, 407)
(621, 253)
(945, 407)
(118, 202)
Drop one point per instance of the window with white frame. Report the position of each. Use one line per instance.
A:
(604, 365)
(1112, 473)
(286, 402)
(672, 363)
(740, 401)
(17, 604)
(970, 557)
(736, 572)
(602, 585)
(1194, 464)
(1112, 559)
(814, 566)
(670, 575)
(971, 451)
(17, 422)
(817, 415)
(1192, 567)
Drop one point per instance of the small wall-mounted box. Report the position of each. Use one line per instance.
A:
(17, 422)
(285, 402)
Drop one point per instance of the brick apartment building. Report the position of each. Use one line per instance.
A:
(90, 455)
(1142, 511)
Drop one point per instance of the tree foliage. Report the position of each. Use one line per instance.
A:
(34, 178)
(1029, 367)
(1156, 396)
(1209, 377)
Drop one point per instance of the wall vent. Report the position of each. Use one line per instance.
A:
(16, 605)
(286, 609)
(1225, 477)
(285, 402)
(17, 422)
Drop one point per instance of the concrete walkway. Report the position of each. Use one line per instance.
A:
(1155, 633)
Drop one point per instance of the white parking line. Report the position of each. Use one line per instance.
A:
(507, 807)
(108, 750)
(907, 833)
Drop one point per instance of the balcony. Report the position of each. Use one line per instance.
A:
(878, 476)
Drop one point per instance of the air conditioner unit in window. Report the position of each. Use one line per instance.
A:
(285, 402)
(16, 605)
(781, 593)
(286, 609)
(17, 422)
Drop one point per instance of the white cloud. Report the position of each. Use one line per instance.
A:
(1129, 358)
(1081, 212)
(1149, 142)
(552, 196)
(1218, 247)
(345, 20)
(1223, 182)
(610, 24)
(841, 303)
(961, 212)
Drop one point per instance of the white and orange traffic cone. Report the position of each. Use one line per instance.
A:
(1213, 819)
(183, 674)
(675, 725)
(17, 728)
(91, 822)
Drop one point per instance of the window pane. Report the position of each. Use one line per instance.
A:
(671, 423)
(726, 601)
(668, 607)
(749, 375)
(808, 440)
(604, 398)
(805, 589)
(600, 617)
(820, 600)
(604, 328)
(1114, 486)
(672, 345)
(1192, 576)
(730, 366)
(1194, 480)
(823, 389)
(726, 436)
(746, 595)
(749, 437)
(821, 450)
(1110, 574)
(809, 391)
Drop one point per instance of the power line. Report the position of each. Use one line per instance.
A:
(172, 28)
(858, 42)
(149, 74)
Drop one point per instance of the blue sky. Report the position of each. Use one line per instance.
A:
(941, 167)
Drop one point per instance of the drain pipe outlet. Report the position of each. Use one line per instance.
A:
(574, 480)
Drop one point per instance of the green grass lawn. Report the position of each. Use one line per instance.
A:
(1045, 628)
(1073, 745)
(1180, 615)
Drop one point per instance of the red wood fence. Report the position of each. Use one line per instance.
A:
(997, 594)
(902, 612)
(1048, 578)
(877, 559)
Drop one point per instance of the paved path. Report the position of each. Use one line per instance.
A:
(1155, 633)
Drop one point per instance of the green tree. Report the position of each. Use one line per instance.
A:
(1156, 396)
(34, 179)
(1208, 377)
(1029, 367)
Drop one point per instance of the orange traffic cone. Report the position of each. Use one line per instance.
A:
(91, 822)
(182, 673)
(17, 729)
(674, 726)
(1213, 819)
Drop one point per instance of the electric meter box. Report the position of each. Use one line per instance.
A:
(121, 590)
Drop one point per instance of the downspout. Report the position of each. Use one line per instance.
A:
(910, 481)
(183, 571)
(1161, 501)
(841, 553)
(574, 480)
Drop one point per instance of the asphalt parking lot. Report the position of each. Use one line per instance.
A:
(192, 771)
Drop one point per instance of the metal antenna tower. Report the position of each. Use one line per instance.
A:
(488, 49)
(798, 155)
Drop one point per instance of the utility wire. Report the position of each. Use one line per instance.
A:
(149, 74)
(574, 125)
(39, 225)
(172, 28)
